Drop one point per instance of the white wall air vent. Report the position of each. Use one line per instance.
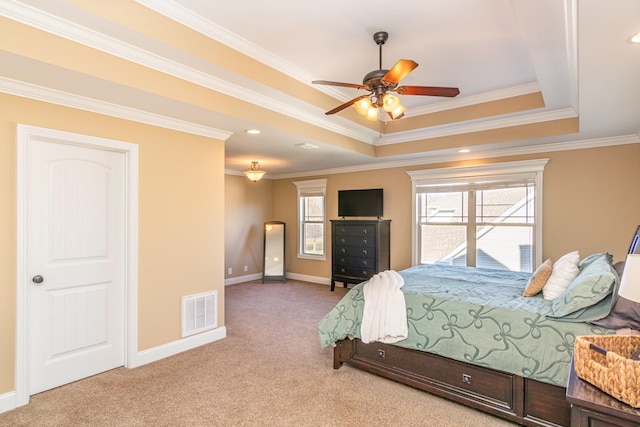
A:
(199, 313)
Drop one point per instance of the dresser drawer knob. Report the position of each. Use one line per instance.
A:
(343, 250)
(342, 270)
(466, 378)
(342, 241)
(364, 262)
(364, 252)
(364, 231)
(364, 241)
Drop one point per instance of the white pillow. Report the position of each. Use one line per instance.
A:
(564, 271)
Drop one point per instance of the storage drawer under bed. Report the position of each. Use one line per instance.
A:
(493, 387)
(509, 396)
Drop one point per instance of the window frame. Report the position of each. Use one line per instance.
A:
(527, 169)
(309, 188)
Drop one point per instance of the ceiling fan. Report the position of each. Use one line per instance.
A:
(381, 83)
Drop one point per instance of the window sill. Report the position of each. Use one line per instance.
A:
(313, 257)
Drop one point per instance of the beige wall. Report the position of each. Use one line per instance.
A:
(590, 204)
(247, 206)
(181, 223)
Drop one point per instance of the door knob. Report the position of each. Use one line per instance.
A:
(37, 279)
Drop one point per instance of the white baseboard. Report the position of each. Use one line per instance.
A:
(175, 347)
(242, 279)
(292, 276)
(7, 401)
(310, 279)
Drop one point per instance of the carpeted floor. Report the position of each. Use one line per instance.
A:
(269, 371)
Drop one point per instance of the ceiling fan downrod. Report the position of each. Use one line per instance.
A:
(380, 38)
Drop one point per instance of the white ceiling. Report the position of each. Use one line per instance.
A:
(577, 53)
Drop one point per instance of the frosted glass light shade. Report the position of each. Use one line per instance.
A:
(372, 113)
(254, 173)
(390, 102)
(362, 106)
(398, 112)
(630, 282)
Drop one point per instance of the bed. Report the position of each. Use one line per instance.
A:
(473, 338)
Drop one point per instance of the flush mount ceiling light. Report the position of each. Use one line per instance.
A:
(254, 173)
(253, 131)
(380, 83)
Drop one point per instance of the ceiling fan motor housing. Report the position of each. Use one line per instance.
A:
(373, 81)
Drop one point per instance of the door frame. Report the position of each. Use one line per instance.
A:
(25, 134)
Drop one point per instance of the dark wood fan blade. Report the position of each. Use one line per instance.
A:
(398, 72)
(328, 83)
(428, 91)
(345, 105)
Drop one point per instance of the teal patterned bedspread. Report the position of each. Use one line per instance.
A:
(473, 315)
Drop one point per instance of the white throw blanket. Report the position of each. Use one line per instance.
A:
(384, 317)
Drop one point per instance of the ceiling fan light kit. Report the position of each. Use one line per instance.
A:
(380, 83)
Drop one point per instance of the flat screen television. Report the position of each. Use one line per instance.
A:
(360, 203)
(634, 248)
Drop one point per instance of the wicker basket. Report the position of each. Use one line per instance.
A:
(604, 361)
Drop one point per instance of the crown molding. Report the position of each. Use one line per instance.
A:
(77, 33)
(188, 18)
(485, 125)
(54, 25)
(452, 155)
(481, 98)
(39, 93)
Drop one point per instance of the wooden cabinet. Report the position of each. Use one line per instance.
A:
(359, 249)
(591, 407)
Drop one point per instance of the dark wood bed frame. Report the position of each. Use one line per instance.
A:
(509, 396)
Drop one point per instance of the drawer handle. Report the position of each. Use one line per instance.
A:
(364, 252)
(364, 231)
(342, 270)
(342, 241)
(466, 378)
(364, 241)
(364, 262)
(341, 259)
(343, 250)
(364, 273)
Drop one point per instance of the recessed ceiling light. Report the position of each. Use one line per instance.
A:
(306, 146)
(464, 150)
(253, 131)
(635, 38)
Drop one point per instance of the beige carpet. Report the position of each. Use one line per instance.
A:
(249, 378)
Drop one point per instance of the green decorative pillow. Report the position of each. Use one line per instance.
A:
(591, 258)
(588, 296)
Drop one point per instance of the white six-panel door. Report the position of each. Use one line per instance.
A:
(76, 260)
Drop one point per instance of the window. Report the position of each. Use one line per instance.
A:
(483, 216)
(311, 218)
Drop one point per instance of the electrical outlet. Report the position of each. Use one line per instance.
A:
(229, 270)
(246, 268)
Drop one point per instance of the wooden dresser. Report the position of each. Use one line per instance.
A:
(359, 249)
(591, 407)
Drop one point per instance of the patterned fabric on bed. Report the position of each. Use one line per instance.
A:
(474, 315)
